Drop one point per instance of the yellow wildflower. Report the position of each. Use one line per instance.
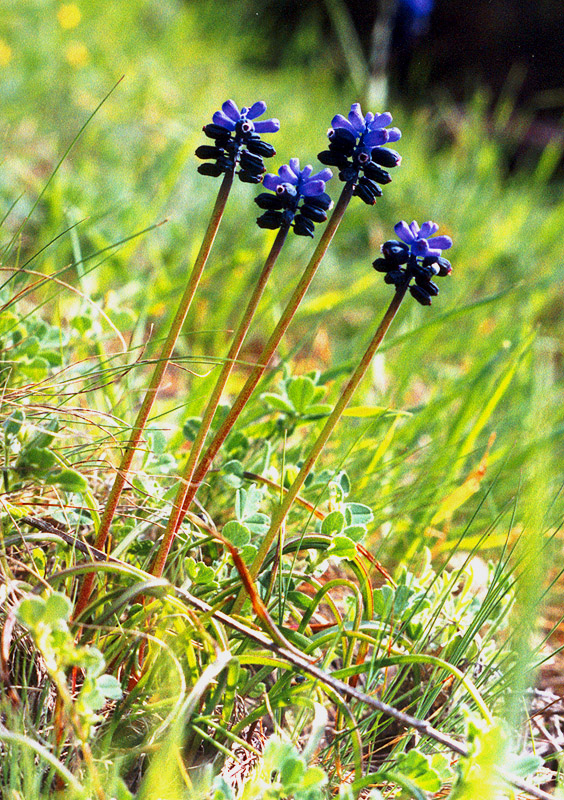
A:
(77, 55)
(69, 16)
(5, 53)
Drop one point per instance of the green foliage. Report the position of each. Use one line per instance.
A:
(299, 400)
(47, 622)
(283, 772)
(428, 773)
(413, 473)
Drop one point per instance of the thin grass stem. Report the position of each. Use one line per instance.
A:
(156, 379)
(281, 512)
(215, 397)
(259, 369)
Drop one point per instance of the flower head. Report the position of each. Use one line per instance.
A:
(356, 146)
(230, 118)
(417, 256)
(238, 142)
(299, 198)
(294, 180)
(370, 130)
(421, 239)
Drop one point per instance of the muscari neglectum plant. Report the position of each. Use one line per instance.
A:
(365, 139)
(415, 259)
(296, 198)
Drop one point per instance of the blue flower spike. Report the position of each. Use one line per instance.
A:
(299, 198)
(357, 148)
(238, 142)
(416, 256)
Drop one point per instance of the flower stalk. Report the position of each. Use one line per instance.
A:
(215, 397)
(416, 257)
(256, 374)
(156, 379)
(281, 512)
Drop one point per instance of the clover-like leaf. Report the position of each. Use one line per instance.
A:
(355, 532)
(383, 602)
(36, 459)
(248, 553)
(313, 780)
(191, 427)
(333, 524)
(30, 612)
(12, 425)
(109, 686)
(417, 767)
(258, 523)
(301, 391)
(248, 502)
(57, 609)
(358, 514)
(278, 403)
(342, 547)
(239, 535)
(523, 764)
(233, 473)
(292, 770)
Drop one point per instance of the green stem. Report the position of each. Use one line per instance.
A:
(269, 349)
(281, 512)
(152, 389)
(196, 449)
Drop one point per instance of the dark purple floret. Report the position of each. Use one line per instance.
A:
(415, 257)
(397, 252)
(321, 200)
(237, 142)
(423, 297)
(385, 157)
(356, 149)
(299, 198)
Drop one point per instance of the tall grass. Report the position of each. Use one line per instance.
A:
(450, 450)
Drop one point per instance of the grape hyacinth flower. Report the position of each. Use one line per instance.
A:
(299, 198)
(356, 147)
(418, 256)
(237, 141)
